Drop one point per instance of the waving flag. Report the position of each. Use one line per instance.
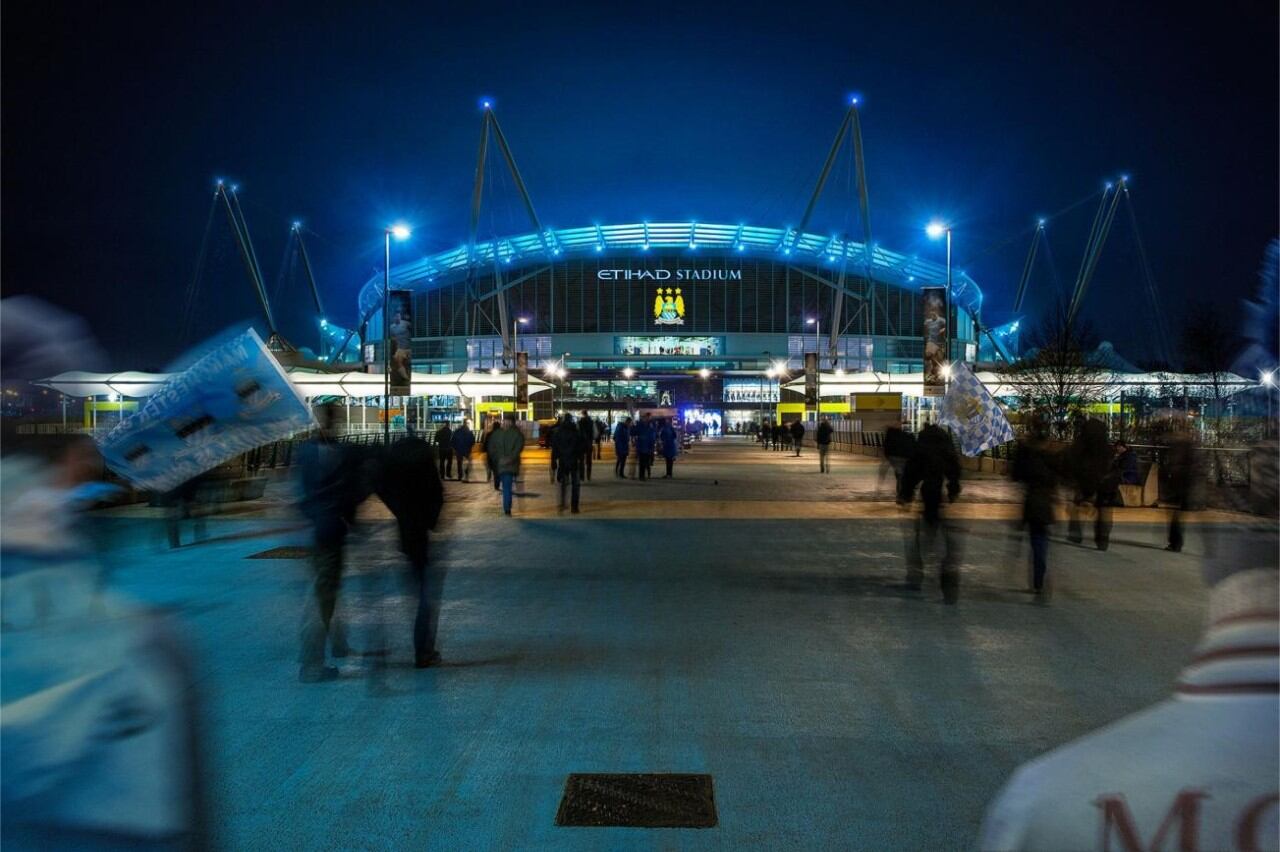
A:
(972, 413)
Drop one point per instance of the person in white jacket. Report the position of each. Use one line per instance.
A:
(1195, 772)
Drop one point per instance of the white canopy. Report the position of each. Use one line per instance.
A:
(912, 384)
(132, 385)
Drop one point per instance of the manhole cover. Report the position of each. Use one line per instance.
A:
(290, 552)
(638, 801)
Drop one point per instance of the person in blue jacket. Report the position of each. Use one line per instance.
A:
(621, 446)
(462, 440)
(644, 437)
(669, 444)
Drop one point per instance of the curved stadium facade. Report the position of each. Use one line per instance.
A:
(666, 301)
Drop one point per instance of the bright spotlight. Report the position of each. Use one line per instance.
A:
(628, 372)
(946, 371)
(522, 320)
(810, 321)
(935, 230)
(771, 372)
(1268, 378)
(400, 231)
(704, 373)
(839, 371)
(494, 371)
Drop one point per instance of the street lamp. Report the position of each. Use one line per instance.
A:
(936, 230)
(1268, 381)
(400, 232)
(817, 356)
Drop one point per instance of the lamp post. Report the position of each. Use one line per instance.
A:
(817, 355)
(1268, 381)
(400, 232)
(515, 340)
(935, 230)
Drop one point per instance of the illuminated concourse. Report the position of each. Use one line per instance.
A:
(745, 619)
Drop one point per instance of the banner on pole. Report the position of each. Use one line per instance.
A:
(936, 339)
(522, 378)
(232, 399)
(810, 380)
(972, 413)
(400, 341)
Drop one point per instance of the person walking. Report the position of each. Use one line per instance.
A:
(329, 492)
(602, 429)
(410, 487)
(822, 440)
(621, 446)
(587, 429)
(551, 445)
(669, 444)
(570, 446)
(489, 475)
(899, 445)
(775, 435)
(933, 463)
(444, 450)
(1090, 465)
(1034, 467)
(462, 442)
(797, 435)
(1182, 477)
(644, 437)
(505, 445)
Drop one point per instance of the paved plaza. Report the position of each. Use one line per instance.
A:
(745, 619)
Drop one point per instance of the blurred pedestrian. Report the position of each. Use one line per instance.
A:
(489, 475)
(410, 487)
(185, 503)
(899, 445)
(797, 435)
(1126, 464)
(551, 446)
(933, 464)
(645, 439)
(587, 429)
(1034, 467)
(570, 446)
(506, 444)
(461, 443)
(775, 435)
(669, 444)
(621, 446)
(1182, 476)
(329, 490)
(1089, 462)
(822, 440)
(602, 431)
(444, 450)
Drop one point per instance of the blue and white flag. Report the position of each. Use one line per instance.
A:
(234, 398)
(972, 413)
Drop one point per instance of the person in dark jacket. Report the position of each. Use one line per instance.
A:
(775, 435)
(410, 487)
(822, 439)
(489, 474)
(797, 435)
(1181, 476)
(444, 450)
(329, 492)
(899, 445)
(551, 445)
(668, 443)
(1034, 467)
(602, 430)
(1089, 463)
(569, 446)
(933, 464)
(621, 446)
(1126, 464)
(461, 443)
(587, 429)
(644, 437)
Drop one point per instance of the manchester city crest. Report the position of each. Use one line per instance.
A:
(668, 307)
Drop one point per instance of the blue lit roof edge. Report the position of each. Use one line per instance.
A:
(695, 238)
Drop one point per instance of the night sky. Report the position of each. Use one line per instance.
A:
(118, 117)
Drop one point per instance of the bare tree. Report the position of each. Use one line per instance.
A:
(1209, 345)
(1059, 376)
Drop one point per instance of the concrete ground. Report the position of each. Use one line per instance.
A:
(745, 619)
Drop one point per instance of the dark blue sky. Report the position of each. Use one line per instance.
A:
(117, 117)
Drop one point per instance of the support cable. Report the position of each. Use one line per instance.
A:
(188, 308)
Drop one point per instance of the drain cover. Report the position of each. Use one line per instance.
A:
(288, 552)
(638, 801)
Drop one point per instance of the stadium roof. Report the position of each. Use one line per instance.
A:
(692, 237)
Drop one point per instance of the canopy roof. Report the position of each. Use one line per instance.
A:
(309, 383)
(1110, 384)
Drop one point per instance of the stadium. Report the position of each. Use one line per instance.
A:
(712, 320)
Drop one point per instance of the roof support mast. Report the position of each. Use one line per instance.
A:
(231, 205)
(851, 125)
(489, 126)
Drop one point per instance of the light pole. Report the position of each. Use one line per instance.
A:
(400, 232)
(1268, 381)
(817, 355)
(515, 348)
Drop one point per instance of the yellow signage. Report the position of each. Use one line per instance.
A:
(877, 402)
